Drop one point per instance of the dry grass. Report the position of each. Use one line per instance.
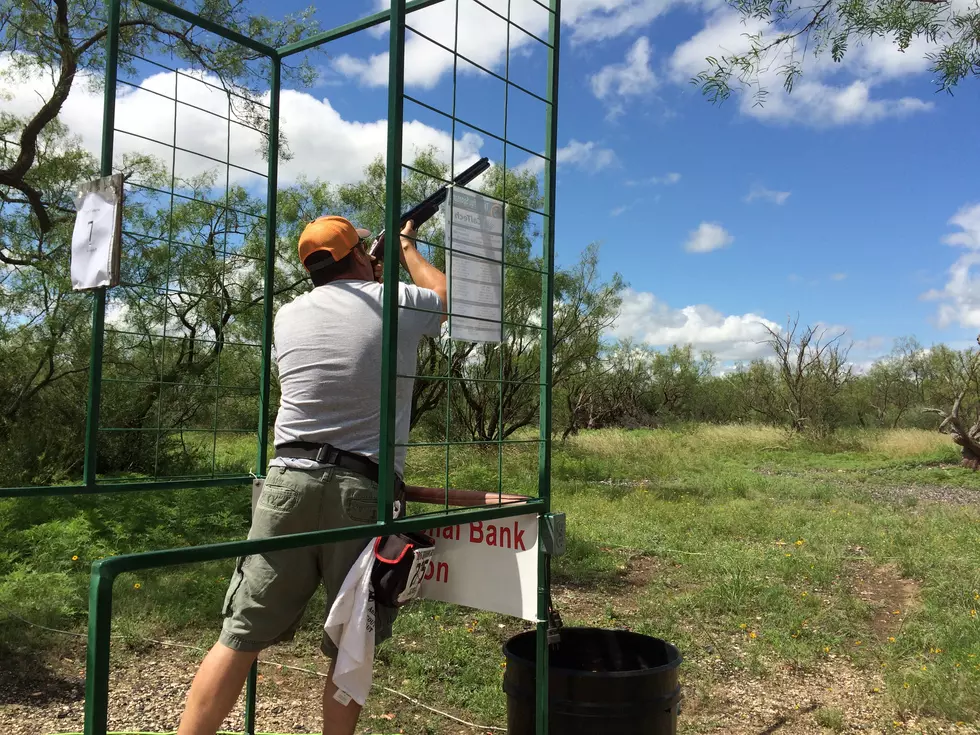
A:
(905, 442)
(724, 439)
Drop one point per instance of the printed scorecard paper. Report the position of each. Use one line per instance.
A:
(95, 241)
(475, 234)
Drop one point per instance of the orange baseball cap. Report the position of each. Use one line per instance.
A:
(336, 235)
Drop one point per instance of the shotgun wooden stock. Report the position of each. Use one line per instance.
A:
(459, 498)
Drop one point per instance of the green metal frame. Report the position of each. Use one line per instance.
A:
(106, 571)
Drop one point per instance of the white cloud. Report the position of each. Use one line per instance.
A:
(482, 36)
(324, 144)
(588, 156)
(709, 236)
(838, 276)
(767, 195)
(814, 101)
(630, 78)
(959, 299)
(600, 20)
(619, 210)
(646, 319)
(668, 179)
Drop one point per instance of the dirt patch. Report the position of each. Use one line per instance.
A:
(612, 600)
(790, 701)
(147, 693)
(914, 494)
(890, 595)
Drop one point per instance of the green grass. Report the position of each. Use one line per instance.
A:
(741, 545)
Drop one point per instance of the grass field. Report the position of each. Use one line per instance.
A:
(838, 584)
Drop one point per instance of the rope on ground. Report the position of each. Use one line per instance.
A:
(268, 662)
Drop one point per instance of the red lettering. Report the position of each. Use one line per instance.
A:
(447, 532)
(476, 532)
(430, 570)
(505, 534)
(491, 535)
(519, 537)
(443, 567)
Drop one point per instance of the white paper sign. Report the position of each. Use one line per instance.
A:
(489, 565)
(95, 241)
(475, 232)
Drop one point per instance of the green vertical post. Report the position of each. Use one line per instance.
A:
(547, 356)
(250, 689)
(99, 632)
(90, 466)
(268, 290)
(393, 197)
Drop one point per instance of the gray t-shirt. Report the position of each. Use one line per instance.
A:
(328, 357)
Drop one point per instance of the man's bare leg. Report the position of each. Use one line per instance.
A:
(337, 718)
(215, 690)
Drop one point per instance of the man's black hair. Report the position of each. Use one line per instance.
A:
(323, 268)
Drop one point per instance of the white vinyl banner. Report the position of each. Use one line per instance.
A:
(475, 233)
(95, 241)
(488, 565)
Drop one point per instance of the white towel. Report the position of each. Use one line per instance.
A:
(350, 626)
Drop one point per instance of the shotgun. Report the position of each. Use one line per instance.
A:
(426, 209)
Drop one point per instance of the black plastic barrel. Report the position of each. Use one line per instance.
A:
(601, 682)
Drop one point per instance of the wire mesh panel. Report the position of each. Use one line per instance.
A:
(477, 388)
(183, 355)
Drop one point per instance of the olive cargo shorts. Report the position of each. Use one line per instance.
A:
(269, 592)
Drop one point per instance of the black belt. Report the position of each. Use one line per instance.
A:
(329, 454)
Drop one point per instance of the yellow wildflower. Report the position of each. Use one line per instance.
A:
(75, 558)
(137, 586)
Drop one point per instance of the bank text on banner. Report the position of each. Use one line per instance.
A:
(487, 565)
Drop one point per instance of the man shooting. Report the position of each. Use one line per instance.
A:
(324, 475)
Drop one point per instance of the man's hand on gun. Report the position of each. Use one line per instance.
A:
(408, 236)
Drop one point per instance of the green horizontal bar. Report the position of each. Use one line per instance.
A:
(164, 7)
(505, 19)
(206, 83)
(177, 194)
(223, 118)
(116, 565)
(506, 202)
(512, 325)
(482, 68)
(349, 28)
(153, 335)
(172, 430)
(461, 379)
(486, 442)
(477, 128)
(206, 157)
(115, 487)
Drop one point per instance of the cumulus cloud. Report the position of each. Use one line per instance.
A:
(709, 236)
(767, 195)
(482, 36)
(627, 79)
(645, 318)
(323, 143)
(959, 299)
(815, 100)
(588, 156)
(668, 179)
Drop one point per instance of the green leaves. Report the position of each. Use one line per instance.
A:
(836, 26)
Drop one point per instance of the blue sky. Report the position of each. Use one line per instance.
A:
(854, 201)
(833, 202)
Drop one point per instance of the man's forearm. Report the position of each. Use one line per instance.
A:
(423, 273)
